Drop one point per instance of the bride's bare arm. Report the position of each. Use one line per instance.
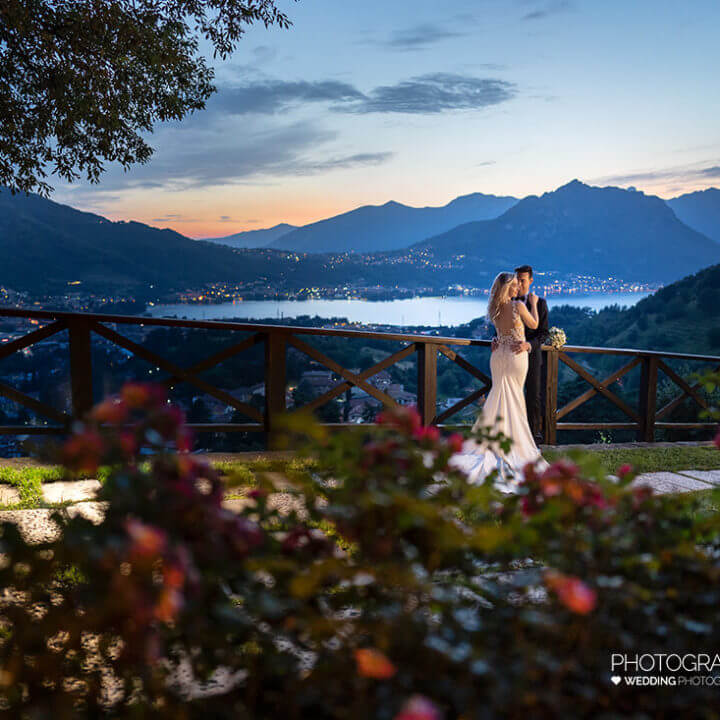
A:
(529, 317)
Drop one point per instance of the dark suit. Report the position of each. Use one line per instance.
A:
(533, 383)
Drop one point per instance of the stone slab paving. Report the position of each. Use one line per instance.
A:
(669, 482)
(8, 495)
(708, 476)
(36, 525)
(75, 491)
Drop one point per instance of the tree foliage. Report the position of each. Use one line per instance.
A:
(82, 80)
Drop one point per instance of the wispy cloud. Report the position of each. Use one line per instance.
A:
(432, 94)
(548, 9)
(420, 37)
(678, 175)
(270, 97)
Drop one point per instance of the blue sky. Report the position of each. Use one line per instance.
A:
(419, 102)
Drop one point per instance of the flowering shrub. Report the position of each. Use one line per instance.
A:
(391, 589)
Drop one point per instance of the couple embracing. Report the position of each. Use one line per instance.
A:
(521, 322)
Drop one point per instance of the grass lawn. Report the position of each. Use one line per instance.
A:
(660, 459)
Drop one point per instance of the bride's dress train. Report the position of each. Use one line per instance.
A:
(504, 411)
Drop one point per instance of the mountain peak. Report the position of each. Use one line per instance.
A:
(573, 185)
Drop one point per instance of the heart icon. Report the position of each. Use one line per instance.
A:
(616, 679)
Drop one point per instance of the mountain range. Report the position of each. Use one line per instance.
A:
(47, 245)
(574, 229)
(700, 210)
(254, 238)
(606, 232)
(394, 226)
(376, 228)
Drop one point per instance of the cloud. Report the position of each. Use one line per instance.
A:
(433, 93)
(273, 96)
(230, 154)
(680, 174)
(420, 37)
(548, 10)
(337, 163)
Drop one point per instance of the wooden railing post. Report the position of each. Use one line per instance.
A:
(275, 380)
(551, 389)
(427, 381)
(647, 406)
(81, 383)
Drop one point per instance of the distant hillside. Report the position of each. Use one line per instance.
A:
(606, 232)
(46, 245)
(700, 211)
(374, 228)
(682, 317)
(254, 238)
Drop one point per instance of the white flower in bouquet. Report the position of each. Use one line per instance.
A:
(556, 337)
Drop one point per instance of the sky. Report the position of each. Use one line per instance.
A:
(420, 102)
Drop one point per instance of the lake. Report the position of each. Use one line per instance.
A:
(446, 311)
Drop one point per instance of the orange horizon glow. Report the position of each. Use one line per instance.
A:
(300, 214)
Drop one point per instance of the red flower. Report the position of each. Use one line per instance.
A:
(455, 441)
(84, 451)
(113, 410)
(257, 493)
(641, 494)
(146, 541)
(128, 443)
(624, 470)
(244, 534)
(184, 440)
(168, 605)
(372, 663)
(418, 707)
(143, 394)
(404, 418)
(572, 592)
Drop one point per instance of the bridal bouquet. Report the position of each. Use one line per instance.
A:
(556, 337)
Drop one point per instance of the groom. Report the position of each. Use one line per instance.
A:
(535, 338)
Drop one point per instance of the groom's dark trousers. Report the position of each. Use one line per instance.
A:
(533, 382)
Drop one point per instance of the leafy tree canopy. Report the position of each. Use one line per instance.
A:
(81, 80)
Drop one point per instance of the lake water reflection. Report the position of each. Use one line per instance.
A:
(447, 311)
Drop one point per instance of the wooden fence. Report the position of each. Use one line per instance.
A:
(644, 419)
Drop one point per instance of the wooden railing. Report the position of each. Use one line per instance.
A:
(643, 419)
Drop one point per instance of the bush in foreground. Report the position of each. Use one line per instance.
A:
(393, 589)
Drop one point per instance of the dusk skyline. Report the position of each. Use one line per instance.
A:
(418, 103)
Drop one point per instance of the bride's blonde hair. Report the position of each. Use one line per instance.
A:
(499, 294)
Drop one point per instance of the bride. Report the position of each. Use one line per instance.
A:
(504, 408)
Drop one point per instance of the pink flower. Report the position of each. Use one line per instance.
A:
(418, 707)
(624, 470)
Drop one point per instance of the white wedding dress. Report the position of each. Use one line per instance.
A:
(504, 411)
